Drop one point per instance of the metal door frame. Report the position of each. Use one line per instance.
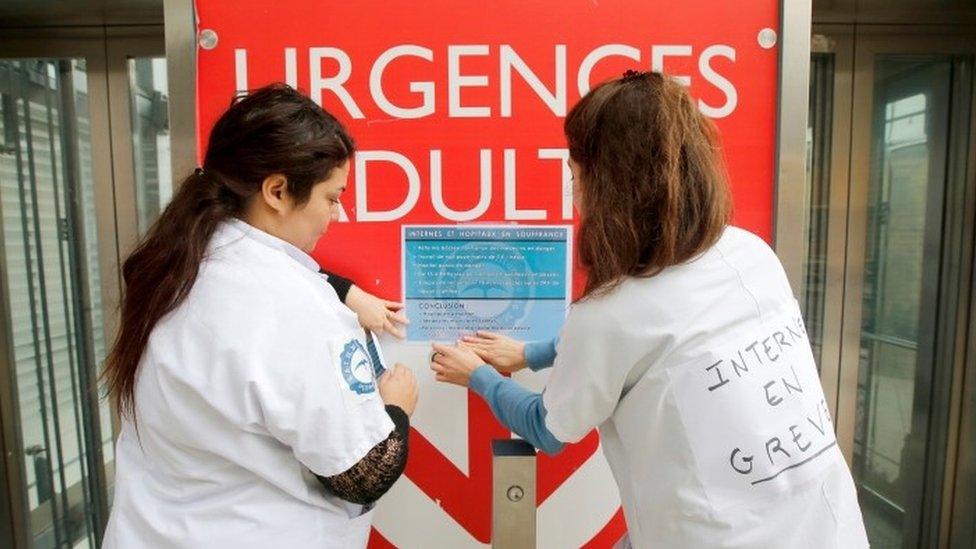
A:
(962, 518)
(124, 43)
(839, 41)
(793, 89)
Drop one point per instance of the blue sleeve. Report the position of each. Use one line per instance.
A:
(515, 407)
(540, 354)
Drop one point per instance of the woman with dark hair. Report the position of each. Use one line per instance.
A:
(686, 349)
(251, 414)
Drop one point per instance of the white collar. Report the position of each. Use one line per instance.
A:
(274, 242)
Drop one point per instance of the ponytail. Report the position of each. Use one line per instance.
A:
(274, 130)
(159, 274)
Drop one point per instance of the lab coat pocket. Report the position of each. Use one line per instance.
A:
(354, 368)
(357, 529)
(840, 498)
(355, 510)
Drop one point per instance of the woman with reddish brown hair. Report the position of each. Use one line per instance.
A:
(687, 348)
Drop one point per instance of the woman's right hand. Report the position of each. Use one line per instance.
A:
(398, 387)
(504, 353)
(377, 315)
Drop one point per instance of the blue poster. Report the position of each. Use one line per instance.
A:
(514, 280)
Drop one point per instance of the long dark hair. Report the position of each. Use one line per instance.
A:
(272, 130)
(654, 189)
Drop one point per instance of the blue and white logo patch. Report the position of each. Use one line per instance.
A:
(353, 368)
(357, 368)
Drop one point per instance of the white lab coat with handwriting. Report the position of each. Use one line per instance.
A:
(253, 383)
(709, 406)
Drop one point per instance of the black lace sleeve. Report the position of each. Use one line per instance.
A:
(341, 284)
(366, 481)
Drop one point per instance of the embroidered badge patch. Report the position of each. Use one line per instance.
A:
(357, 367)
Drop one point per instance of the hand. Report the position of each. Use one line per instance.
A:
(454, 364)
(375, 314)
(502, 352)
(398, 387)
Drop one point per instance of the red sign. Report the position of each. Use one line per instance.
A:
(457, 111)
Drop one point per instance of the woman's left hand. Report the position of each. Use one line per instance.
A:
(454, 364)
(375, 314)
(504, 353)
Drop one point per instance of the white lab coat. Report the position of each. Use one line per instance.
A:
(709, 406)
(254, 382)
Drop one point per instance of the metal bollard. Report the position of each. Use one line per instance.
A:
(513, 494)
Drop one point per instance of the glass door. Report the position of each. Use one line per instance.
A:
(58, 255)
(909, 231)
(148, 108)
(84, 168)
